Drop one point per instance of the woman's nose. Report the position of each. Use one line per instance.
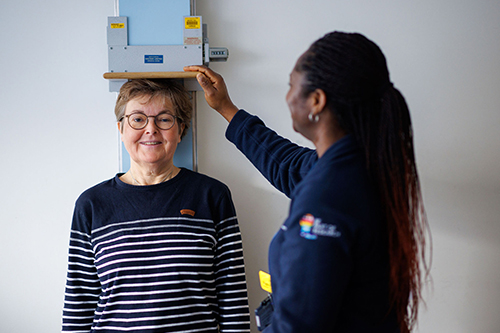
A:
(151, 126)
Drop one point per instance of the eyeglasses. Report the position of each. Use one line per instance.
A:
(139, 120)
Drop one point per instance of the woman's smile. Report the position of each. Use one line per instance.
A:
(150, 143)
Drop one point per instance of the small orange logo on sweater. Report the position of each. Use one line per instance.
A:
(187, 212)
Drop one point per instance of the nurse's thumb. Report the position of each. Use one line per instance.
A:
(203, 80)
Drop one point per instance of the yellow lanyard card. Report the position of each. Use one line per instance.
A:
(265, 281)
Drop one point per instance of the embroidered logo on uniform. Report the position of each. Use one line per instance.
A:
(306, 225)
(187, 212)
(311, 228)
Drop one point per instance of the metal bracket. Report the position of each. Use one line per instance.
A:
(218, 54)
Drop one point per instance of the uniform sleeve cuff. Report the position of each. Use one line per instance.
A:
(236, 124)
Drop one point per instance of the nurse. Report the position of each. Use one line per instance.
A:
(350, 255)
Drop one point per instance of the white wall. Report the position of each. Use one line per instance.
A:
(58, 135)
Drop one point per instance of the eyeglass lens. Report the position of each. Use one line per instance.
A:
(138, 120)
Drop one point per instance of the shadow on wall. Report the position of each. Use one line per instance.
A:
(465, 227)
(465, 210)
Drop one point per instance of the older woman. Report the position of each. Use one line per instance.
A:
(158, 248)
(349, 256)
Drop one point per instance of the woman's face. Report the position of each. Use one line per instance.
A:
(298, 103)
(150, 145)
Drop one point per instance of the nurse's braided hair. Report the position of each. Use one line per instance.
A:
(352, 71)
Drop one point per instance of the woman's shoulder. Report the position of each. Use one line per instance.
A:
(99, 189)
(201, 179)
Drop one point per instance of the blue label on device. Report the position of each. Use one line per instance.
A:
(153, 59)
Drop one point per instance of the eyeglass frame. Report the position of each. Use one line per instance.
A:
(147, 120)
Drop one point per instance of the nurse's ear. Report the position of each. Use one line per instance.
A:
(316, 101)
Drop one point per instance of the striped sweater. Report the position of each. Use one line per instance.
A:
(159, 258)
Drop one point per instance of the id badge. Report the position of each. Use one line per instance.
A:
(264, 313)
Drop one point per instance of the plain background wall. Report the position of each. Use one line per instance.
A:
(58, 135)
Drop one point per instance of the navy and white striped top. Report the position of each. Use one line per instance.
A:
(159, 258)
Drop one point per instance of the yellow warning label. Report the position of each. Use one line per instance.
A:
(117, 25)
(265, 281)
(192, 22)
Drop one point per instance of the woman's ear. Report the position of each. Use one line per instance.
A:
(119, 124)
(318, 101)
(181, 130)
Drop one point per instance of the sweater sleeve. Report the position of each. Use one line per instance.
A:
(82, 284)
(282, 162)
(230, 270)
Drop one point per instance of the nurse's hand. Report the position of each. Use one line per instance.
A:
(215, 91)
